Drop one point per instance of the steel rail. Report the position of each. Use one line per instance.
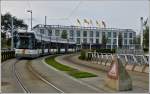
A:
(18, 79)
(43, 79)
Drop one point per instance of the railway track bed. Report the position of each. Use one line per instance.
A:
(27, 80)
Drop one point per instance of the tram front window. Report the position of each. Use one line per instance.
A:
(24, 43)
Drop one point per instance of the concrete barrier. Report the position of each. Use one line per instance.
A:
(117, 77)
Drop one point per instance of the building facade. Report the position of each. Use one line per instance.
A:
(92, 35)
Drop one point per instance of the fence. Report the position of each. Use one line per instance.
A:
(126, 59)
(7, 55)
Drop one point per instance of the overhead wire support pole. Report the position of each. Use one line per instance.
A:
(141, 33)
(12, 39)
(31, 17)
(45, 20)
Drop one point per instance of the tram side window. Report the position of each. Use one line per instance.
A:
(47, 45)
(37, 44)
(34, 44)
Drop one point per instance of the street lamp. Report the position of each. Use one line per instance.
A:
(31, 17)
(12, 39)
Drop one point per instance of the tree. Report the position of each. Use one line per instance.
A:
(6, 22)
(3, 35)
(120, 40)
(146, 35)
(104, 40)
(136, 40)
(64, 34)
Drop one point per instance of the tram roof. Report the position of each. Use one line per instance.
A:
(25, 31)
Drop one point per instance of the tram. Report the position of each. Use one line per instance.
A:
(35, 43)
(29, 46)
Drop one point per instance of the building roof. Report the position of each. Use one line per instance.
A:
(82, 27)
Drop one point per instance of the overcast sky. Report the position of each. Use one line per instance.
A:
(116, 14)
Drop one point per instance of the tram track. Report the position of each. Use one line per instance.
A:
(34, 72)
(18, 79)
(23, 82)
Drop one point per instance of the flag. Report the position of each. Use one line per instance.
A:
(78, 21)
(104, 24)
(85, 21)
(91, 22)
(97, 22)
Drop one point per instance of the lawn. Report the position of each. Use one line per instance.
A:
(71, 71)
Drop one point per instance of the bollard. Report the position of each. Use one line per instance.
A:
(117, 77)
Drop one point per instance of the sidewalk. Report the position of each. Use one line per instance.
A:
(140, 80)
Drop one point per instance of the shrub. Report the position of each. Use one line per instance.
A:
(83, 54)
(145, 49)
(106, 50)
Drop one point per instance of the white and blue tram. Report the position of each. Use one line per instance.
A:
(36, 43)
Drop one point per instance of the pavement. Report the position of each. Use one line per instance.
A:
(140, 80)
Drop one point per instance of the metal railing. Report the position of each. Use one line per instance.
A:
(132, 59)
(100, 58)
(7, 55)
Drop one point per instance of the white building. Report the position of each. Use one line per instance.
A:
(92, 35)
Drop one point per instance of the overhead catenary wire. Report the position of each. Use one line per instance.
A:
(75, 9)
(62, 18)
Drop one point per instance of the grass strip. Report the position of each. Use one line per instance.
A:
(71, 71)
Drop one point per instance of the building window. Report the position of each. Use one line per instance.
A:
(91, 41)
(84, 33)
(97, 41)
(50, 33)
(109, 46)
(130, 41)
(97, 33)
(109, 41)
(109, 34)
(130, 35)
(114, 41)
(103, 33)
(84, 40)
(125, 42)
(71, 33)
(71, 38)
(57, 32)
(91, 33)
(114, 34)
(125, 35)
(114, 46)
(78, 33)
(78, 40)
